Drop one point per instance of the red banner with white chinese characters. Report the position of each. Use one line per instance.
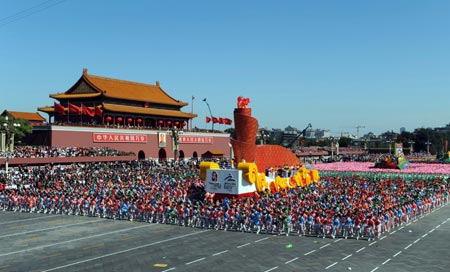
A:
(184, 139)
(119, 138)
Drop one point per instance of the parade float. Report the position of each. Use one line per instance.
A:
(260, 168)
(398, 161)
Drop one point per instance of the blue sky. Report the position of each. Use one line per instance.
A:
(334, 64)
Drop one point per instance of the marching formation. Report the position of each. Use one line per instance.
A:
(347, 207)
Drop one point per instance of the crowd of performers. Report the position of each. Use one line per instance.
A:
(358, 207)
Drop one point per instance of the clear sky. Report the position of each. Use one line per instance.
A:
(334, 64)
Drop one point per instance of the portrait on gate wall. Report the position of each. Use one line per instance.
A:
(162, 139)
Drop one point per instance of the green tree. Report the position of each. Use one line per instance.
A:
(345, 142)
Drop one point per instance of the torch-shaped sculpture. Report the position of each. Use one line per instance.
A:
(246, 129)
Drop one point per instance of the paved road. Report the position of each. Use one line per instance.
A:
(37, 242)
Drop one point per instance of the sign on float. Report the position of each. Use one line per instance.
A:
(227, 181)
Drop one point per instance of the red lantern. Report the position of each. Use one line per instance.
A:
(169, 122)
(119, 119)
(184, 123)
(129, 120)
(177, 123)
(160, 122)
(139, 120)
(108, 118)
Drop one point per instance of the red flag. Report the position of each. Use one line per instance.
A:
(74, 109)
(215, 120)
(87, 111)
(208, 119)
(98, 111)
(59, 109)
(221, 120)
(228, 121)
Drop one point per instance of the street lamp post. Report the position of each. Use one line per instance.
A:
(212, 119)
(263, 136)
(428, 147)
(390, 146)
(411, 148)
(175, 132)
(9, 127)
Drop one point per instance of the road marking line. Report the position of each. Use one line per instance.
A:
(443, 222)
(393, 232)
(93, 246)
(28, 219)
(49, 256)
(375, 269)
(401, 228)
(128, 238)
(218, 253)
(198, 260)
(257, 241)
(46, 229)
(34, 238)
(396, 254)
(312, 251)
(170, 269)
(425, 235)
(372, 243)
(361, 249)
(123, 251)
(438, 226)
(338, 240)
(346, 257)
(408, 224)
(382, 238)
(296, 258)
(243, 245)
(273, 268)
(324, 246)
(408, 246)
(73, 240)
(416, 241)
(385, 262)
(431, 230)
(331, 265)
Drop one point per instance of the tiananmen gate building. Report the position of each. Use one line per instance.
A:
(124, 115)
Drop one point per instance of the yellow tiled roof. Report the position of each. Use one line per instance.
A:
(147, 111)
(68, 96)
(122, 89)
(30, 116)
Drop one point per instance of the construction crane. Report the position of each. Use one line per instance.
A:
(302, 133)
(357, 130)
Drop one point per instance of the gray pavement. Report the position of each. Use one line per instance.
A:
(37, 242)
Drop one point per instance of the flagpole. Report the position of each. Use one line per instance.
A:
(192, 111)
(68, 111)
